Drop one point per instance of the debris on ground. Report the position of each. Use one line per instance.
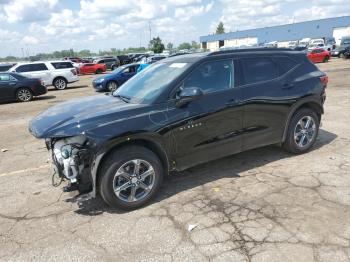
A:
(191, 227)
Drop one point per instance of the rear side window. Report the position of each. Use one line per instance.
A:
(62, 65)
(39, 67)
(259, 69)
(5, 77)
(286, 63)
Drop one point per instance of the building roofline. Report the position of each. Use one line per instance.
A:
(249, 31)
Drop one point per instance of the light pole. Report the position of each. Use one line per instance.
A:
(150, 31)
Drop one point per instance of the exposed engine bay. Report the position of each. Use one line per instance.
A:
(70, 158)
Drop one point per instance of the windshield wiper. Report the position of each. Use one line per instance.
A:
(124, 98)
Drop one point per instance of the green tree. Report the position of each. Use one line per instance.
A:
(195, 45)
(84, 53)
(170, 46)
(220, 28)
(184, 46)
(156, 45)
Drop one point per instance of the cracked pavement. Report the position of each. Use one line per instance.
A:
(260, 205)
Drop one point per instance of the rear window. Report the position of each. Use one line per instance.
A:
(259, 70)
(286, 63)
(62, 65)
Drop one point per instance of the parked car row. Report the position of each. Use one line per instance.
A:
(18, 87)
(340, 50)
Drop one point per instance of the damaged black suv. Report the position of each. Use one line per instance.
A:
(180, 112)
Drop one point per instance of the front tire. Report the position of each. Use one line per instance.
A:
(98, 71)
(24, 95)
(302, 131)
(60, 83)
(326, 59)
(112, 86)
(130, 177)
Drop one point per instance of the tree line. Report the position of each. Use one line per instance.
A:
(156, 45)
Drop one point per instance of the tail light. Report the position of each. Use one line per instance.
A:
(74, 71)
(41, 82)
(324, 80)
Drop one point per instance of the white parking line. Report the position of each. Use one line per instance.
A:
(24, 170)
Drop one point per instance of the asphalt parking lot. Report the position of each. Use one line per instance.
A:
(260, 205)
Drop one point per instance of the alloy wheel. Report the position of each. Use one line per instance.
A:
(24, 95)
(305, 131)
(60, 84)
(112, 86)
(134, 180)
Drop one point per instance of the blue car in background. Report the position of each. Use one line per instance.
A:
(110, 82)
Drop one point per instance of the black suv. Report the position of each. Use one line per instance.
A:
(180, 112)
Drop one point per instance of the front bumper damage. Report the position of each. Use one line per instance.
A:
(72, 158)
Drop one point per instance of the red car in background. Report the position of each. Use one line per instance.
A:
(319, 55)
(92, 68)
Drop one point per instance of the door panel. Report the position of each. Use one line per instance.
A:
(266, 103)
(207, 129)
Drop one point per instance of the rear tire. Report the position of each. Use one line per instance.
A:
(24, 95)
(130, 177)
(302, 131)
(60, 83)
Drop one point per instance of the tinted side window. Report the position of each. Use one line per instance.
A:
(130, 69)
(100, 61)
(259, 69)
(212, 76)
(62, 65)
(36, 67)
(23, 68)
(286, 63)
(5, 77)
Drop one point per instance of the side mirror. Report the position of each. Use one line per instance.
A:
(188, 95)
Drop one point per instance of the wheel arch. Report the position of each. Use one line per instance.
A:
(102, 157)
(311, 104)
(59, 77)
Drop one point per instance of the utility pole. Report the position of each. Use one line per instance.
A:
(140, 38)
(150, 31)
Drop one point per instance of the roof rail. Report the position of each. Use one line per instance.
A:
(257, 49)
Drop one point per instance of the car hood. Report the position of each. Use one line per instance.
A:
(106, 76)
(80, 115)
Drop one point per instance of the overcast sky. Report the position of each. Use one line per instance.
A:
(49, 25)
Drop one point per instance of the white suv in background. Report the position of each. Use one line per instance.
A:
(56, 73)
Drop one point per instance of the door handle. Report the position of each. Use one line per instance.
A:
(287, 85)
(12, 84)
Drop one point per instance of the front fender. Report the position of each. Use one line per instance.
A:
(104, 150)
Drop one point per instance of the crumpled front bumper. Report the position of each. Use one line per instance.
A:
(71, 158)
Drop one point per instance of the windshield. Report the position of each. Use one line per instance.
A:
(119, 69)
(146, 86)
